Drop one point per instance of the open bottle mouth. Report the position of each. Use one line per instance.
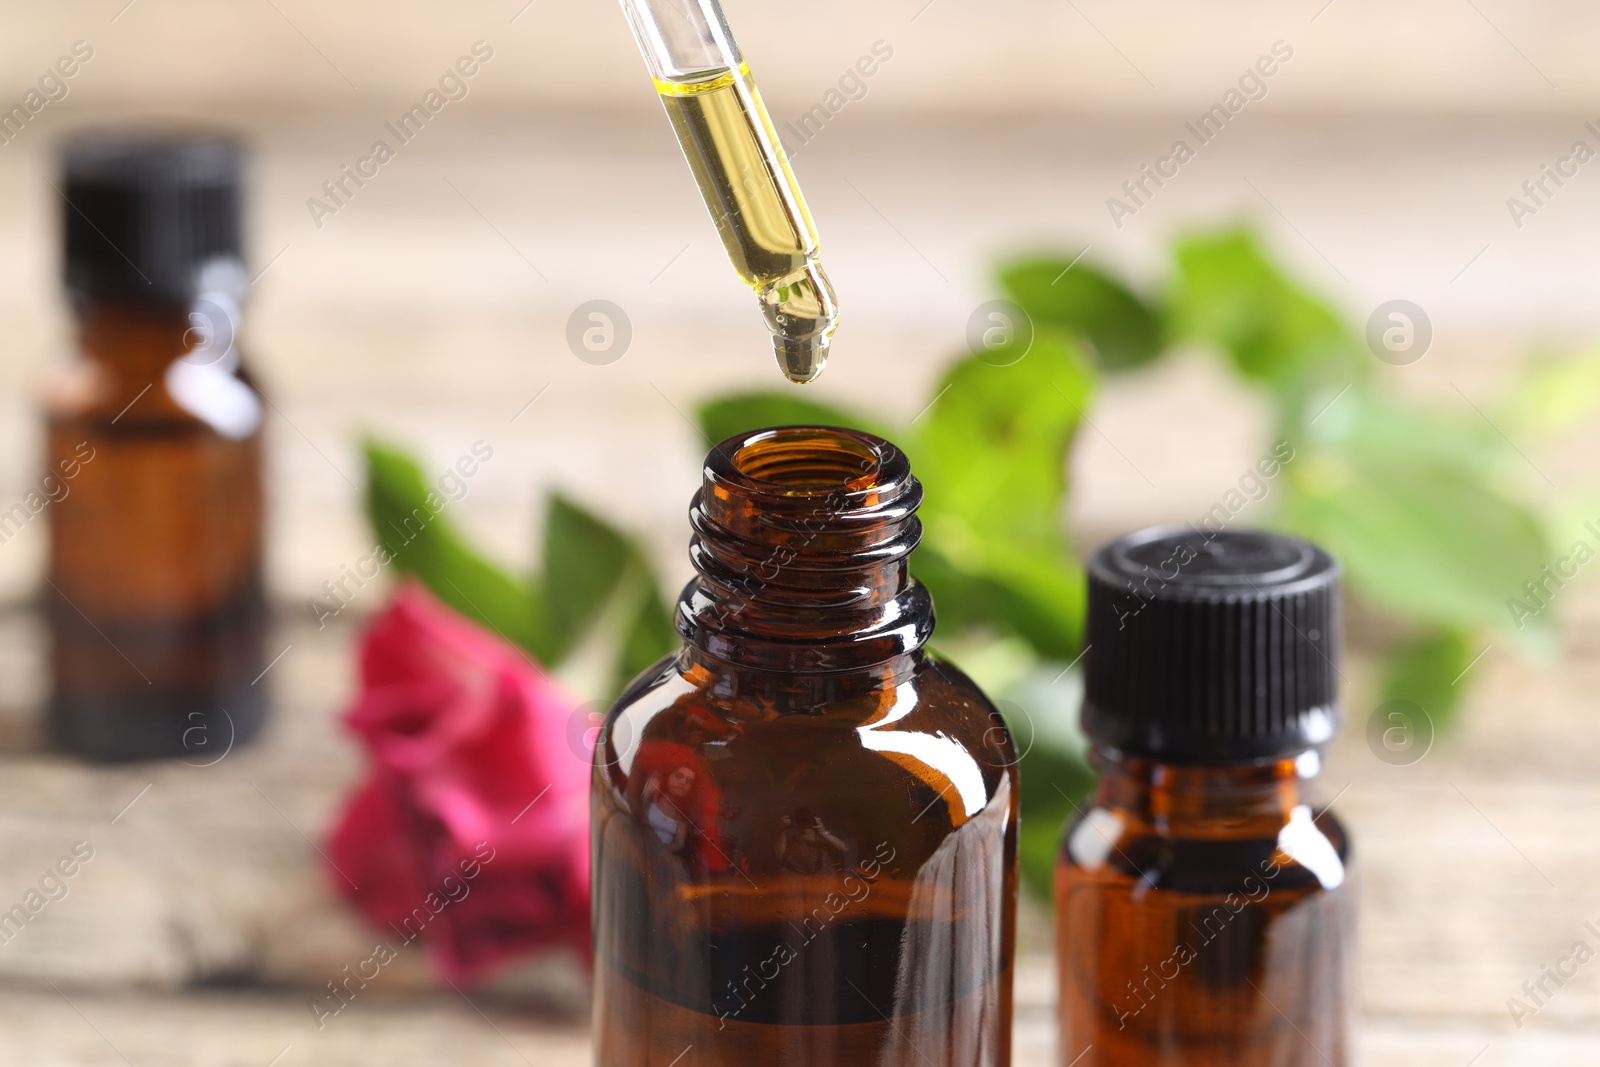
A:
(760, 480)
(809, 491)
(809, 459)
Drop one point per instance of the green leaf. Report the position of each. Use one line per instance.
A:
(1038, 845)
(1124, 330)
(720, 419)
(1379, 428)
(991, 452)
(1230, 295)
(1054, 785)
(1427, 671)
(964, 601)
(406, 518)
(1411, 514)
(649, 634)
(593, 573)
(584, 560)
(1554, 396)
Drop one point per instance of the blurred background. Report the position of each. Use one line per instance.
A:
(432, 310)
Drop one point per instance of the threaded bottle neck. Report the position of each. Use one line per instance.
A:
(801, 540)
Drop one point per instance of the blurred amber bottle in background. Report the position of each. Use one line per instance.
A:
(1203, 896)
(804, 827)
(155, 588)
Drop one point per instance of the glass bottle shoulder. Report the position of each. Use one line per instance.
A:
(1202, 844)
(140, 369)
(183, 395)
(798, 772)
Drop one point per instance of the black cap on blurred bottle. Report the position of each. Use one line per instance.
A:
(145, 213)
(1211, 647)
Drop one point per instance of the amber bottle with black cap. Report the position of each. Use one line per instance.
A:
(804, 826)
(1203, 894)
(154, 590)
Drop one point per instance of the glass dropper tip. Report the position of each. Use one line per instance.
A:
(801, 358)
(802, 314)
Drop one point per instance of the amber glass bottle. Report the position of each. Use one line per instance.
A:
(1202, 897)
(154, 592)
(804, 826)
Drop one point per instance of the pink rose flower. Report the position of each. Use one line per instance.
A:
(471, 831)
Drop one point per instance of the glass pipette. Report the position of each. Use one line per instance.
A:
(742, 171)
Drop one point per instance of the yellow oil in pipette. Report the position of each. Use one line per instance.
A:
(744, 176)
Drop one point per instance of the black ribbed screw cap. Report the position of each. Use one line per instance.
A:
(144, 213)
(1211, 647)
